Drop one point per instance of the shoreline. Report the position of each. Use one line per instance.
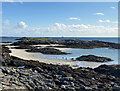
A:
(54, 77)
(21, 53)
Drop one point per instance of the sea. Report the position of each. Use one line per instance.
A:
(76, 52)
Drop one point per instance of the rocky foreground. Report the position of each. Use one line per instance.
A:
(40, 76)
(81, 79)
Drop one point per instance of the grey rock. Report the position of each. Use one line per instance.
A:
(38, 69)
(68, 78)
(116, 88)
(83, 81)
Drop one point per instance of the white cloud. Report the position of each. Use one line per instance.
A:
(22, 25)
(112, 7)
(9, 0)
(74, 18)
(108, 21)
(80, 30)
(58, 29)
(12, 1)
(100, 21)
(99, 13)
(104, 21)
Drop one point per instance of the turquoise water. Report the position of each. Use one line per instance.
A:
(103, 52)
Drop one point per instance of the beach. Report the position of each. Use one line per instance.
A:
(21, 53)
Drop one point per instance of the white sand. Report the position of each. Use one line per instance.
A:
(21, 53)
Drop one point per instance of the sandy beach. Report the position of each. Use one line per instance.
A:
(21, 53)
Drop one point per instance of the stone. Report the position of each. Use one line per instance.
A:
(116, 88)
(93, 58)
(83, 81)
(38, 69)
(68, 78)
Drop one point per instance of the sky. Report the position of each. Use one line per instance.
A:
(56, 19)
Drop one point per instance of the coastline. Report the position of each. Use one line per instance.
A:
(54, 76)
(21, 53)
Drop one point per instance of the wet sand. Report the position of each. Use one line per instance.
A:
(21, 53)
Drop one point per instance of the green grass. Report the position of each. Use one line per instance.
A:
(36, 39)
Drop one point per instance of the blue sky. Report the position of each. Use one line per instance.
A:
(68, 16)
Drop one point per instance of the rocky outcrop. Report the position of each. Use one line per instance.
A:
(4, 49)
(69, 43)
(47, 51)
(37, 78)
(109, 69)
(24, 46)
(93, 58)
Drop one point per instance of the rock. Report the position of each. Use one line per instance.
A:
(47, 51)
(116, 88)
(113, 70)
(38, 69)
(93, 58)
(68, 43)
(1, 72)
(32, 84)
(68, 78)
(63, 86)
(84, 82)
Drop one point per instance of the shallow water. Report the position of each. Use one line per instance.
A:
(103, 52)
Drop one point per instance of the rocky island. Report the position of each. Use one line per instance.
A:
(68, 43)
(93, 58)
(47, 51)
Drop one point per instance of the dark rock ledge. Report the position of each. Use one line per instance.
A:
(93, 58)
(47, 50)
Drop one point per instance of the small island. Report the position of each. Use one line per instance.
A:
(93, 58)
(67, 43)
(47, 51)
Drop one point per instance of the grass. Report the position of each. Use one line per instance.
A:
(36, 39)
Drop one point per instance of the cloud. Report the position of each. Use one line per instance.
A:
(104, 21)
(12, 1)
(112, 7)
(59, 29)
(22, 25)
(78, 30)
(9, 0)
(74, 18)
(99, 13)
